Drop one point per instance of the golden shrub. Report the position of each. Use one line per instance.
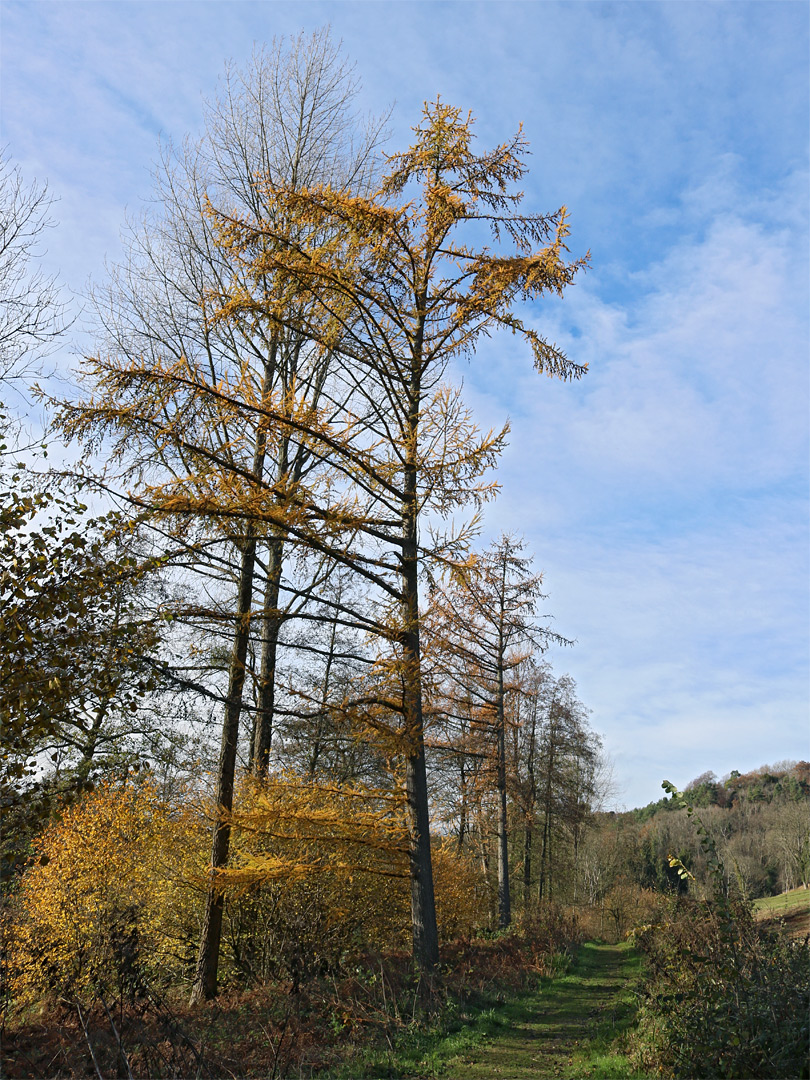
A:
(318, 874)
(109, 900)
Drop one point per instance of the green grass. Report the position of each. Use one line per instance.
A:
(602, 1055)
(572, 1026)
(424, 1052)
(785, 903)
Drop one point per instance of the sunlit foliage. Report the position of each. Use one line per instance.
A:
(109, 900)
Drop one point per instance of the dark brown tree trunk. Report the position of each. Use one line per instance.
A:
(270, 627)
(423, 908)
(528, 831)
(423, 904)
(527, 863)
(545, 853)
(205, 978)
(462, 824)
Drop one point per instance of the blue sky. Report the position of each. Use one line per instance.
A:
(666, 495)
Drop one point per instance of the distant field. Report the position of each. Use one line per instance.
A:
(793, 907)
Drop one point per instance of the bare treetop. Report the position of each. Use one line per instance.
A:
(32, 313)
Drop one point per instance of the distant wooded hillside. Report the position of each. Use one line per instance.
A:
(784, 781)
(760, 821)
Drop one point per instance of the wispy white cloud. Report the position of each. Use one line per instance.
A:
(697, 383)
(665, 495)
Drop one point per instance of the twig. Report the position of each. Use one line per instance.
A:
(277, 1048)
(89, 1044)
(35, 1069)
(175, 1028)
(118, 1040)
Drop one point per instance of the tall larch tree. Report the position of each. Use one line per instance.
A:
(397, 284)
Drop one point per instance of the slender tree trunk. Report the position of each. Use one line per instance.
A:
(90, 744)
(527, 863)
(545, 852)
(270, 628)
(423, 905)
(483, 847)
(317, 742)
(91, 741)
(423, 909)
(504, 898)
(462, 824)
(205, 978)
(545, 846)
(204, 986)
(528, 831)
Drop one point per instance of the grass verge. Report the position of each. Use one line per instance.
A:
(792, 909)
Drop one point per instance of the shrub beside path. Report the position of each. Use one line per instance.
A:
(569, 1028)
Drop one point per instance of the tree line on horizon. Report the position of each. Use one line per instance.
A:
(759, 822)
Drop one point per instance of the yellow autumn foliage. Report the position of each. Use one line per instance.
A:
(320, 871)
(114, 897)
(110, 901)
(462, 892)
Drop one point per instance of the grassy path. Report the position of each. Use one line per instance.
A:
(566, 1029)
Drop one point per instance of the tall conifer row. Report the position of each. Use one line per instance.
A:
(394, 284)
(484, 627)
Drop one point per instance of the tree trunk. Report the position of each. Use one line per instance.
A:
(504, 898)
(423, 904)
(527, 864)
(423, 908)
(528, 831)
(462, 824)
(317, 741)
(205, 978)
(204, 986)
(271, 625)
(545, 853)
